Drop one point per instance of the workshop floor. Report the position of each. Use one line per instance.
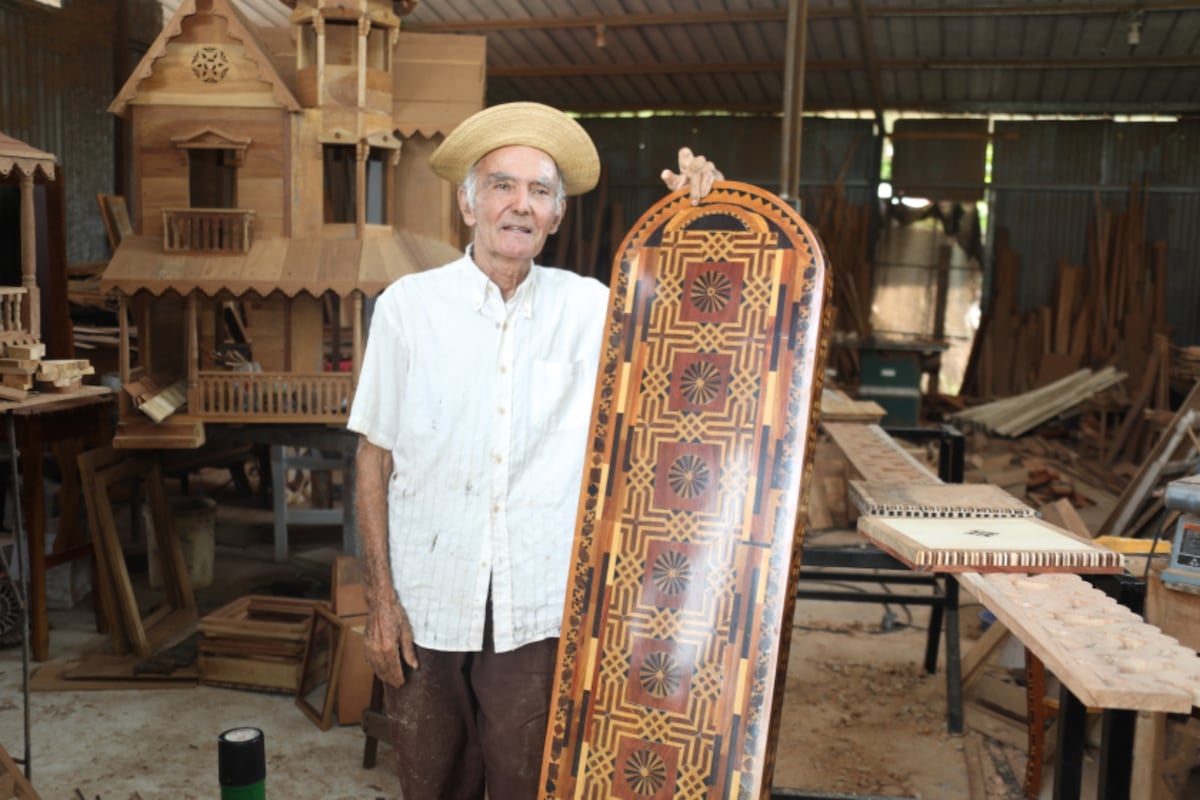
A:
(860, 715)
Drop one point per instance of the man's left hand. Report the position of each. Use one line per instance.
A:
(696, 174)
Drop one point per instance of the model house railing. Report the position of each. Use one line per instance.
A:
(271, 396)
(11, 298)
(211, 230)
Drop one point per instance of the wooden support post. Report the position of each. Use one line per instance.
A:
(31, 313)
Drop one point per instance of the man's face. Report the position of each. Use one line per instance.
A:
(516, 205)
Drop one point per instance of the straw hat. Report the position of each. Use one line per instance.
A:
(529, 124)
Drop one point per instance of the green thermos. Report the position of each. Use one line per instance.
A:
(242, 764)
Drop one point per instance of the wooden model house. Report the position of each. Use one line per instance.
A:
(279, 183)
(20, 306)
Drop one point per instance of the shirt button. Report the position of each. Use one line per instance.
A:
(499, 458)
(501, 411)
(503, 370)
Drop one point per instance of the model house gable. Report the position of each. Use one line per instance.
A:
(208, 54)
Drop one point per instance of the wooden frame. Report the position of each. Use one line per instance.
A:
(115, 215)
(13, 783)
(322, 659)
(257, 642)
(99, 471)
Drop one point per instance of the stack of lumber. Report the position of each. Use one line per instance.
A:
(844, 231)
(1019, 414)
(64, 374)
(24, 365)
(257, 642)
(1106, 312)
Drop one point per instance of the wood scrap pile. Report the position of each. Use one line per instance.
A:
(1104, 313)
(844, 231)
(25, 367)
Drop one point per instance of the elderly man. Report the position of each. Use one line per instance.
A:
(472, 407)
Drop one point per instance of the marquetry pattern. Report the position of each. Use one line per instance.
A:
(979, 500)
(685, 552)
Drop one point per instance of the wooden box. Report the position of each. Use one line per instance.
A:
(256, 642)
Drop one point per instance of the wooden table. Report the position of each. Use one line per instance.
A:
(67, 421)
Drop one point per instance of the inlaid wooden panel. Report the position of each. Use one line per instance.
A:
(687, 547)
(986, 544)
(935, 500)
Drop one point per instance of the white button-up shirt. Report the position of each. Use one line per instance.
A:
(484, 406)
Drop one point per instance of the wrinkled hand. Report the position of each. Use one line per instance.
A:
(696, 173)
(389, 636)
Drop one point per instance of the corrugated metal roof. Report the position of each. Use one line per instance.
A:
(1020, 56)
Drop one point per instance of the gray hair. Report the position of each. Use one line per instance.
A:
(470, 186)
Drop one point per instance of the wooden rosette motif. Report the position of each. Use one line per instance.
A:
(677, 618)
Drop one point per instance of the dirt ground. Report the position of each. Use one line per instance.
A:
(861, 715)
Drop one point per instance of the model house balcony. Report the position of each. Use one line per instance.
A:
(208, 230)
(11, 298)
(271, 396)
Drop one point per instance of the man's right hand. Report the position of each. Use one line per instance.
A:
(389, 637)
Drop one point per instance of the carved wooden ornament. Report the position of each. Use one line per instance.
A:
(687, 549)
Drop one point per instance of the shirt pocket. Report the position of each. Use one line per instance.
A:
(561, 395)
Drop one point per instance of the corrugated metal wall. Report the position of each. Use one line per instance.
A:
(635, 150)
(746, 148)
(56, 81)
(1047, 178)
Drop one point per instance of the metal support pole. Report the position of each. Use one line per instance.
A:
(21, 589)
(793, 102)
(1116, 753)
(1072, 722)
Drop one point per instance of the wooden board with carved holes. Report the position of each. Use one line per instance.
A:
(687, 547)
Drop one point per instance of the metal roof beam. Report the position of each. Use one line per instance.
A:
(781, 15)
(863, 28)
(1102, 109)
(692, 68)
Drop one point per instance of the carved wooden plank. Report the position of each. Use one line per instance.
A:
(876, 456)
(997, 544)
(1104, 653)
(686, 548)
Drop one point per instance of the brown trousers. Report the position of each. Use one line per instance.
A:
(464, 721)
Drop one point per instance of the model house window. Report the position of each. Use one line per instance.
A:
(306, 46)
(377, 49)
(377, 183)
(341, 43)
(212, 178)
(341, 184)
